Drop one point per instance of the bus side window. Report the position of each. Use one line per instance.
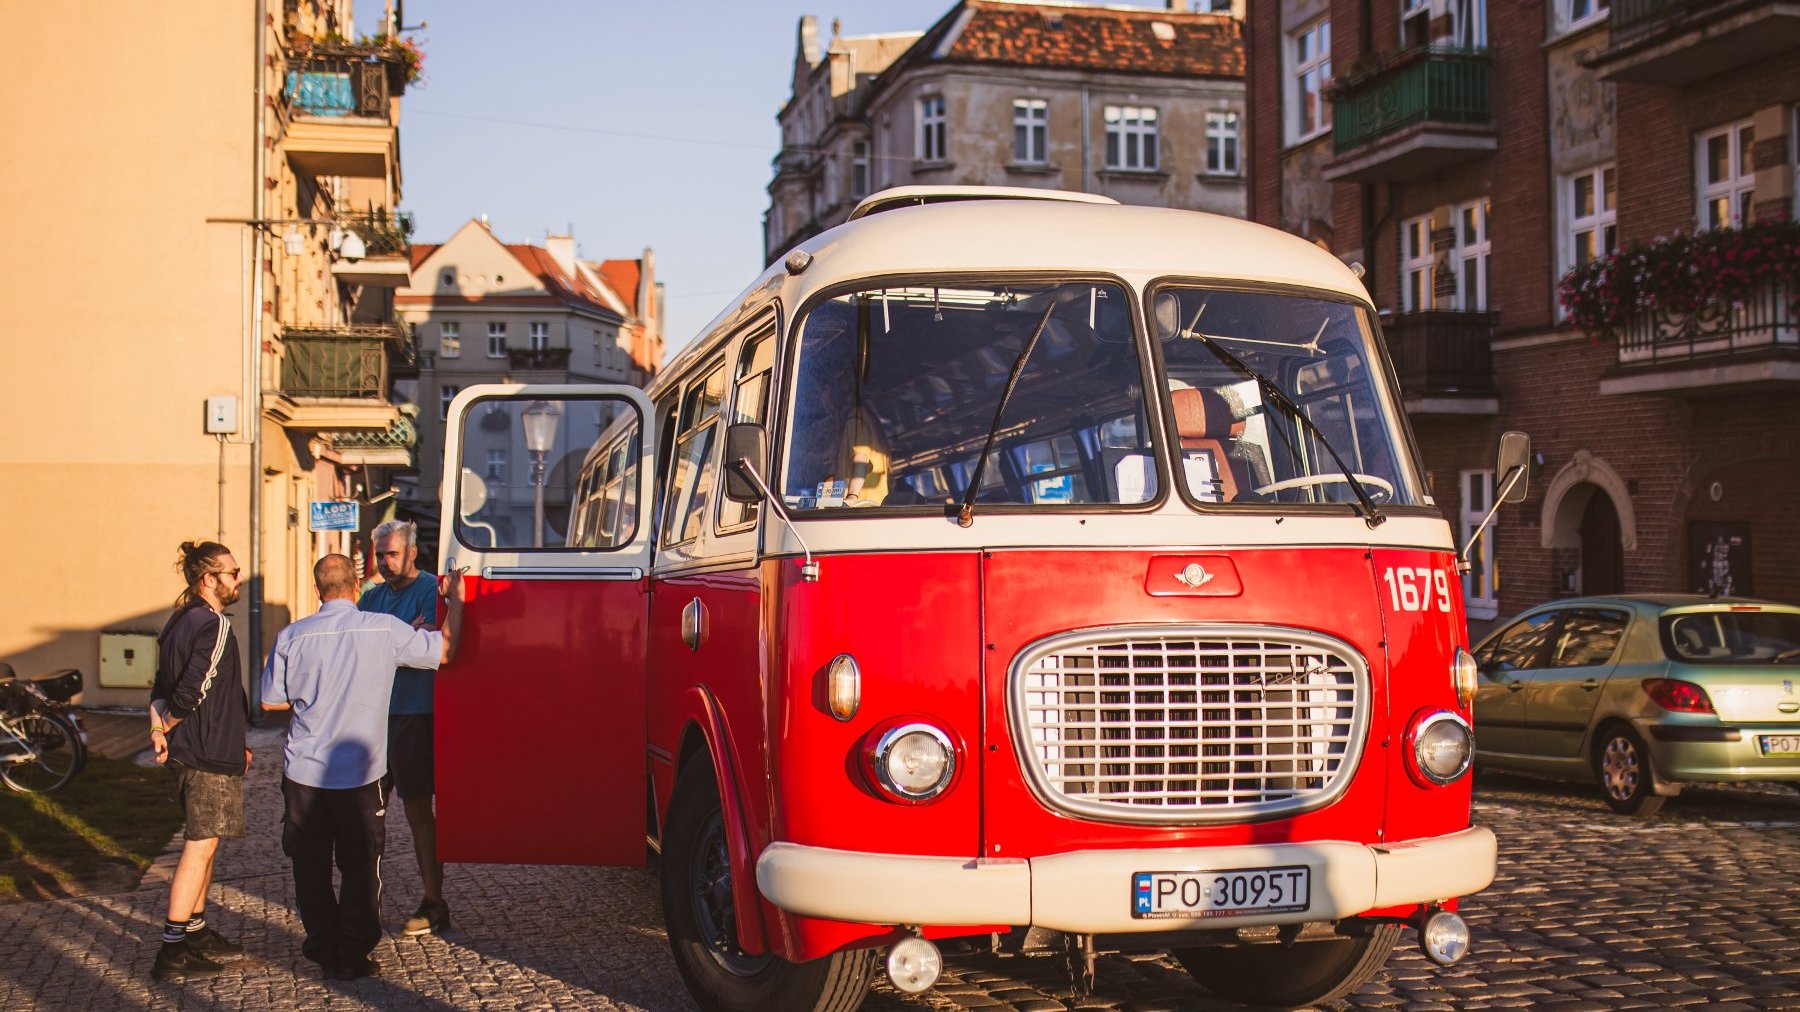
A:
(750, 403)
(695, 465)
(666, 415)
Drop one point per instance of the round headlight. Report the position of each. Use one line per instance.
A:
(1442, 746)
(913, 762)
(1464, 674)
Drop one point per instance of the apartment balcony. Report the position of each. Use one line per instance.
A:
(336, 378)
(386, 260)
(393, 446)
(795, 161)
(1723, 348)
(1425, 109)
(1677, 42)
(538, 358)
(1444, 362)
(341, 116)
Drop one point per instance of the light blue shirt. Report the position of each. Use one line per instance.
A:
(336, 668)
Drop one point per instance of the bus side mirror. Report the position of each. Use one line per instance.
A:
(1515, 453)
(744, 441)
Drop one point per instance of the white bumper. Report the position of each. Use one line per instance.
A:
(1090, 891)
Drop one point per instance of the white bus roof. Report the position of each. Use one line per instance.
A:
(912, 196)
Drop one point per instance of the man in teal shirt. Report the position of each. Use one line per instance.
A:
(411, 595)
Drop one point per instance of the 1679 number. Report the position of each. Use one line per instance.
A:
(1417, 588)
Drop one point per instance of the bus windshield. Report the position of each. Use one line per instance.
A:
(1242, 368)
(898, 389)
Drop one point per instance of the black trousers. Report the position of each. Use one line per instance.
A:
(349, 825)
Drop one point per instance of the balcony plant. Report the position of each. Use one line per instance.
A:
(1681, 274)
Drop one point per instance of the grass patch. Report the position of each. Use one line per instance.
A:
(100, 832)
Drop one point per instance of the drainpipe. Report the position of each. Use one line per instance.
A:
(258, 209)
(1084, 140)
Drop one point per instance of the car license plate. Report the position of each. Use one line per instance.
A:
(1156, 894)
(1779, 744)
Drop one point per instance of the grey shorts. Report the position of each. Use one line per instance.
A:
(212, 803)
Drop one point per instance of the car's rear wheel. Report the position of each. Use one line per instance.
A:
(698, 907)
(1623, 765)
(1291, 976)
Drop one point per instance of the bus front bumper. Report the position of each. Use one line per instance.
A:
(1090, 891)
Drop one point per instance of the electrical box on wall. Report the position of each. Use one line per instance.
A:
(127, 660)
(221, 415)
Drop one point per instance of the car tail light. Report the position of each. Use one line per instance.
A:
(1678, 696)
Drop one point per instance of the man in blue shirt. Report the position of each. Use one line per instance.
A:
(411, 596)
(335, 670)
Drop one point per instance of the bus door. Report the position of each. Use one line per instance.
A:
(540, 718)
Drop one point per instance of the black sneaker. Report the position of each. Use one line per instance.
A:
(353, 969)
(214, 946)
(181, 961)
(432, 917)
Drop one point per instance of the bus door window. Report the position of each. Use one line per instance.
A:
(749, 403)
(695, 465)
(527, 498)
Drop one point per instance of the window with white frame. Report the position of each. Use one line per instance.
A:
(450, 339)
(1130, 137)
(1590, 215)
(1472, 256)
(1468, 23)
(1726, 176)
(1571, 14)
(1417, 264)
(1031, 131)
(859, 169)
(496, 466)
(1481, 584)
(496, 339)
(446, 394)
(1222, 143)
(930, 140)
(1309, 62)
(540, 336)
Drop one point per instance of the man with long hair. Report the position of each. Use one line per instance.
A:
(198, 713)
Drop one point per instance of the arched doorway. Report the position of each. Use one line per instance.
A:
(1602, 551)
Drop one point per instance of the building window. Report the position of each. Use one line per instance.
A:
(1571, 14)
(1415, 23)
(1471, 257)
(446, 394)
(1130, 138)
(496, 340)
(540, 336)
(1309, 56)
(1481, 584)
(859, 169)
(450, 339)
(496, 466)
(1589, 212)
(1031, 131)
(931, 129)
(1417, 264)
(1222, 143)
(1727, 178)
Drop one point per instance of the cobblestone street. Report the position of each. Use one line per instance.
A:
(1698, 907)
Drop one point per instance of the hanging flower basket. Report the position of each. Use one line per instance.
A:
(1681, 274)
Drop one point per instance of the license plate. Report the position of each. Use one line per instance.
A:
(1157, 894)
(1779, 744)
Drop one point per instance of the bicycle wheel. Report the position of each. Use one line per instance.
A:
(55, 754)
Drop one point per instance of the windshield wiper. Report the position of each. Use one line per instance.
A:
(966, 515)
(1276, 396)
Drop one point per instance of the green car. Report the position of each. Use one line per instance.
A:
(1643, 693)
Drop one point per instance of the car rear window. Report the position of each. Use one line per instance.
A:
(1720, 637)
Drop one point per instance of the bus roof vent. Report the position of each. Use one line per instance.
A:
(909, 196)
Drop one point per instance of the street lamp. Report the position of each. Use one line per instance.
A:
(540, 432)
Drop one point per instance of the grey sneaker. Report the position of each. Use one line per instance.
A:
(432, 917)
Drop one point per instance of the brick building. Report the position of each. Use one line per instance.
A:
(1471, 154)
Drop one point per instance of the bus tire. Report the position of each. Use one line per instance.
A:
(1284, 976)
(698, 910)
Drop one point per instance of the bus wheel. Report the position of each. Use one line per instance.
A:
(1283, 976)
(701, 915)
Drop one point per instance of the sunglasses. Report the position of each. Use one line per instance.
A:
(233, 573)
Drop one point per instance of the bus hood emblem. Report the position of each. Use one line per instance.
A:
(1194, 575)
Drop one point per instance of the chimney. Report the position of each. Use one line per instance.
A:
(562, 250)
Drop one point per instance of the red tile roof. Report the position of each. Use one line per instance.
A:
(421, 252)
(623, 276)
(1086, 38)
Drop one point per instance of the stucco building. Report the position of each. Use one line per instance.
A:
(488, 311)
(1471, 155)
(1142, 105)
(202, 206)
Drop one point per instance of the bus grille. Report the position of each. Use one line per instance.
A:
(1189, 723)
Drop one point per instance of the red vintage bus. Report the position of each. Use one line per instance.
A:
(1044, 571)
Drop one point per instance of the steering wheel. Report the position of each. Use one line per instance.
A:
(1382, 490)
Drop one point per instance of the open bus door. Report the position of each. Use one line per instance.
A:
(540, 719)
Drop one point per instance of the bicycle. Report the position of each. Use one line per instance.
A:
(42, 745)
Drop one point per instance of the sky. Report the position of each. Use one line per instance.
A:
(640, 124)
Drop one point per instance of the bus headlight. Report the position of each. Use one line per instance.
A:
(911, 761)
(1464, 674)
(1439, 747)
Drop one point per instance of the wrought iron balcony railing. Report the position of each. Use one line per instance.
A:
(1440, 353)
(1427, 86)
(384, 233)
(348, 362)
(1631, 18)
(344, 81)
(1769, 319)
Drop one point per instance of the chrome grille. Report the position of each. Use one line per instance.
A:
(1189, 723)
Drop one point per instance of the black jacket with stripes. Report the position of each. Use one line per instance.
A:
(199, 680)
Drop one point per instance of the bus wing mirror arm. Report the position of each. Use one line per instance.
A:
(1513, 465)
(742, 468)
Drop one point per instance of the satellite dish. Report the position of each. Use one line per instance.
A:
(353, 247)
